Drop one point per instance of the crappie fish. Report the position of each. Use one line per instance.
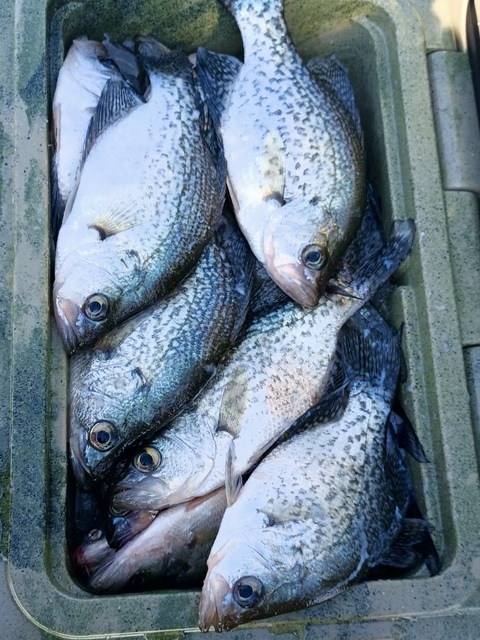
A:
(142, 373)
(321, 509)
(80, 82)
(295, 157)
(149, 197)
(172, 551)
(278, 369)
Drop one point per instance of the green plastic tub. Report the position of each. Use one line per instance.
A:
(384, 44)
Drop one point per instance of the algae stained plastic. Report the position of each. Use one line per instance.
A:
(381, 42)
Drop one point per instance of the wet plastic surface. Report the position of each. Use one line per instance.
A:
(384, 45)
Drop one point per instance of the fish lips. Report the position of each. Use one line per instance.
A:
(212, 602)
(148, 493)
(305, 286)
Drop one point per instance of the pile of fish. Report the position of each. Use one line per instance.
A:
(230, 383)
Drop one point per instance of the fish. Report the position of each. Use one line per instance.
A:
(142, 373)
(148, 200)
(81, 79)
(279, 366)
(295, 157)
(171, 551)
(322, 508)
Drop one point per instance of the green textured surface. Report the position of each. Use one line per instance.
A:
(464, 236)
(383, 44)
(456, 119)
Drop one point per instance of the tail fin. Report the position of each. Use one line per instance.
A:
(372, 356)
(365, 280)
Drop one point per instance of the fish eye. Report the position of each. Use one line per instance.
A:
(96, 307)
(314, 257)
(147, 460)
(247, 591)
(102, 435)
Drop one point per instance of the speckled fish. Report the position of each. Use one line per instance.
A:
(80, 82)
(278, 369)
(296, 165)
(149, 198)
(143, 372)
(172, 551)
(321, 509)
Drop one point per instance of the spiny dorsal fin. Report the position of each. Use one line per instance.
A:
(331, 73)
(217, 73)
(116, 100)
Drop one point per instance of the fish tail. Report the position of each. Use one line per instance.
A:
(156, 57)
(372, 356)
(113, 574)
(375, 270)
(413, 545)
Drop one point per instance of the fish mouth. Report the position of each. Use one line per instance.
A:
(152, 494)
(66, 314)
(212, 601)
(79, 464)
(298, 283)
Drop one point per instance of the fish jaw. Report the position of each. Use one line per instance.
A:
(78, 462)
(214, 600)
(66, 313)
(143, 494)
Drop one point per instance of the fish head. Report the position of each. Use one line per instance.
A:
(96, 286)
(105, 391)
(239, 586)
(260, 566)
(167, 471)
(302, 243)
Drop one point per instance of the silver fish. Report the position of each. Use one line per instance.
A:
(321, 509)
(143, 372)
(80, 82)
(296, 163)
(148, 200)
(276, 371)
(172, 551)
